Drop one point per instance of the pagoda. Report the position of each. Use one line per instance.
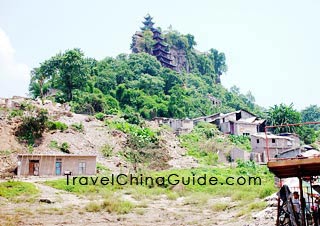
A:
(160, 49)
(148, 24)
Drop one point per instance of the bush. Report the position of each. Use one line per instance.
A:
(106, 150)
(78, 127)
(51, 125)
(54, 144)
(32, 127)
(65, 147)
(241, 141)
(100, 116)
(15, 113)
(133, 118)
(139, 137)
(208, 129)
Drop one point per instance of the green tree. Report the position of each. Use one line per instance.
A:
(311, 114)
(219, 62)
(73, 72)
(145, 43)
(282, 115)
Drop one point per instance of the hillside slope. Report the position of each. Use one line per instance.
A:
(84, 135)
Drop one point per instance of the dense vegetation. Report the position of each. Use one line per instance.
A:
(138, 83)
(283, 115)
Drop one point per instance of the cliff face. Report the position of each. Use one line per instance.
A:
(179, 58)
(177, 55)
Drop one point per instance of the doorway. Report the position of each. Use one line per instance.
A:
(58, 167)
(34, 167)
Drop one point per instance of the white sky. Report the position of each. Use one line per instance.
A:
(272, 47)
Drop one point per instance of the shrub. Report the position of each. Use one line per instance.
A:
(15, 113)
(241, 141)
(208, 129)
(100, 116)
(78, 127)
(106, 150)
(139, 137)
(53, 144)
(65, 147)
(115, 205)
(56, 125)
(32, 127)
(133, 118)
(93, 207)
(217, 207)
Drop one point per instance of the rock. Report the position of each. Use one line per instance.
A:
(46, 201)
(178, 188)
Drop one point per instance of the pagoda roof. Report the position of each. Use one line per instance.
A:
(155, 30)
(168, 65)
(164, 59)
(158, 37)
(148, 17)
(147, 22)
(160, 44)
(164, 54)
(159, 48)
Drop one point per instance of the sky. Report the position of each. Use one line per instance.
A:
(272, 47)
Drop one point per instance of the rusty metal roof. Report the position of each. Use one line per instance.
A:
(296, 167)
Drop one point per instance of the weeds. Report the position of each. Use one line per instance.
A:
(78, 127)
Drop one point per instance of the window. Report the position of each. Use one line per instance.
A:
(273, 140)
(82, 167)
(246, 134)
(258, 141)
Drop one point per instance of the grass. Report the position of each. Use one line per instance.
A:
(18, 191)
(219, 207)
(246, 197)
(78, 127)
(112, 204)
(236, 192)
(106, 150)
(5, 152)
(10, 220)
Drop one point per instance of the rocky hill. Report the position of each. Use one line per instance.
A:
(84, 134)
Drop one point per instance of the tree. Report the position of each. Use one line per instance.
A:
(73, 72)
(37, 86)
(145, 43)
(311, 114)
(219, 62)
(282, 115)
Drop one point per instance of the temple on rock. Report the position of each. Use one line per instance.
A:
(159, 49)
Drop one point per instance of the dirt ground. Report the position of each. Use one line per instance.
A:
(69, 209)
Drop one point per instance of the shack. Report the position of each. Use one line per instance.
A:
(56, 165)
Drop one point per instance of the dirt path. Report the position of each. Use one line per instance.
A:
(58, 198)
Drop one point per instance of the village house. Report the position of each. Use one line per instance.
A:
(284, 145)
(240, 122)
(179, 126)
(55, 165)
